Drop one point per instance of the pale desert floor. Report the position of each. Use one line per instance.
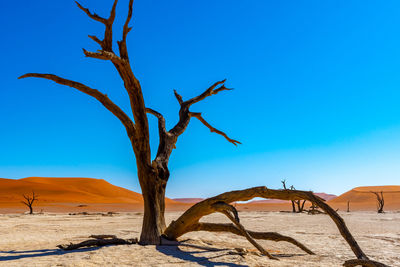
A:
(30, 240)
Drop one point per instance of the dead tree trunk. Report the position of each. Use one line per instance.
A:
(348, 205)
(29, 200)
(295, 203)
(380, 201)
(153, 174)
(292, 201)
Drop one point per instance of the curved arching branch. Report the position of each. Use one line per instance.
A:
(102, 98)
(192, 216)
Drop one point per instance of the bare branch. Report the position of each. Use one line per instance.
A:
(229, 227)
(101, 54)
(105, 44)
(228, 210)
(102, 98)
(92, 16)
(161, 119)
(198, 116)
(96, 39)
(178, 97)
(185, 115)
(123, 51)
(212, 90)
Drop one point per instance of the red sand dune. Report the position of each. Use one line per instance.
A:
(88, 194)
(64, 193)
(361, 198)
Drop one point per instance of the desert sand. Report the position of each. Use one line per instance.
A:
(96, 195)
(30, 240)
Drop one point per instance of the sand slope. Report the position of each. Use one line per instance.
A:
(361, 198)
(65, 192)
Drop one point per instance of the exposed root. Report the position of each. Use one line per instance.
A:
(365, 263)
(99, 241)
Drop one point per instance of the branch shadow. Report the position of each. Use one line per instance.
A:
(177, 252)
(39, 253)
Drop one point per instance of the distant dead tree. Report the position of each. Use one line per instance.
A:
(380, 201)
(29, 200)
(348, 205)
(295, 203)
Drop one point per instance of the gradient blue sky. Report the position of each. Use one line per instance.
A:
(316, 97)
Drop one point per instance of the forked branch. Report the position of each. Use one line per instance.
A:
(106, 43)
(185, 115)
(212, 90)
(102, 98)
(123, 51)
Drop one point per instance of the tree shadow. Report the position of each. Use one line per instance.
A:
(177, 252)
(39, 253)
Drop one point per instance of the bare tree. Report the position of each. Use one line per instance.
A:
(295, 203)
(154, 174)
(348, 205)
(380, 201)
(29, 200)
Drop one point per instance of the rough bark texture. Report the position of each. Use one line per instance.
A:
(153, 174)
(29, 200)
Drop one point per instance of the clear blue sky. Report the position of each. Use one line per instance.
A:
(316, 99)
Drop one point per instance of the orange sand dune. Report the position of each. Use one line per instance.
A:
(361, 198)
(64, 193)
